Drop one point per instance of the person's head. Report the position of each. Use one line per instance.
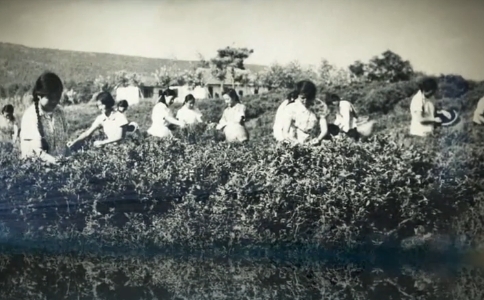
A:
(105, 102)
(47, 91)
(333, 99)
(428, 86)
(7, 111)
(167, 97)
(292, 96)
(123, 105)
(189, 101)
(231, 98)
(306, 91)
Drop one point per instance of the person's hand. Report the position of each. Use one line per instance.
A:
(70, 144)
(438, 120)
(183, 124)
(98, 144)
(211, 125)
(314, 141)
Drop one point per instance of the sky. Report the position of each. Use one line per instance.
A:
(436, 36)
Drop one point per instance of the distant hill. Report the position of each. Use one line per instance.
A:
(21, 65)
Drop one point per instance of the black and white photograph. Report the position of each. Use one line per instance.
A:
(241, 149)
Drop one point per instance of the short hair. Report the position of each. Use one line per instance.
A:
(232, 94)
(306, 88)
(106, 99)
(123, 103)
(428, 84)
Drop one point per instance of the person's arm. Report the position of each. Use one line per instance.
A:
(223, 121)
(286, 124)
(323, 125)
(243, 110)
(95, 125)
(174, 121)
(119, 134)
(417, 111)
(15, 133)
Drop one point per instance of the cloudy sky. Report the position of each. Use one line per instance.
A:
(437, 36)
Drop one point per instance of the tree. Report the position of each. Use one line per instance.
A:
(331, 76)
(228, 60)
(388, 67)
(104, 84)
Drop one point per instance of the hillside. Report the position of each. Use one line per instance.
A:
(20, 64)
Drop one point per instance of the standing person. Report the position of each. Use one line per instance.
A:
(44, 128)
(299, 121)
(162, 116)
(279, 118)
(113, 122)
(233, 118)
(346, 118)
(9, 131)
(422, 109)
(188, 113)
(478, 118)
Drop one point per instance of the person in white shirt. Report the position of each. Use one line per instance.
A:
(422, 109)
(479, 113)
(346, 118)
(233, 118)
(44, 128)
(299, 121)
(113, 122)
(162, 116)
(279, 118)
(188, 113)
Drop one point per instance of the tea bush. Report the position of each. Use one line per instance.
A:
(203, 194)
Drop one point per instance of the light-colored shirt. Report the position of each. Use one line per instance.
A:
(189, 116)
(231, 123)
(281, 114)
(346, 116)
(55, 131)
(299, 122)
(479, 112)
(111, 124)
(159, 126)
(421, 107)
(232, 115)
(7, 129)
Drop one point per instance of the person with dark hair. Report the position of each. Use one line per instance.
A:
(300, 121)
(233, 118)
(346, 118)
(113, 122)
(162, 116)
(422, 109)
(279, 118)
(9, 131)
(44, 127)
(188, 113)
(123, 106)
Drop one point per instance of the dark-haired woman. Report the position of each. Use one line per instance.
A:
(113, 122)
(188, 113)
(422, 109)
(299, 122)
(44, 128)
(123, 106)
(9, 130)
(162, 116)
(233, 118)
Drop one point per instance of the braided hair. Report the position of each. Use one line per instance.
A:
(48, 84)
